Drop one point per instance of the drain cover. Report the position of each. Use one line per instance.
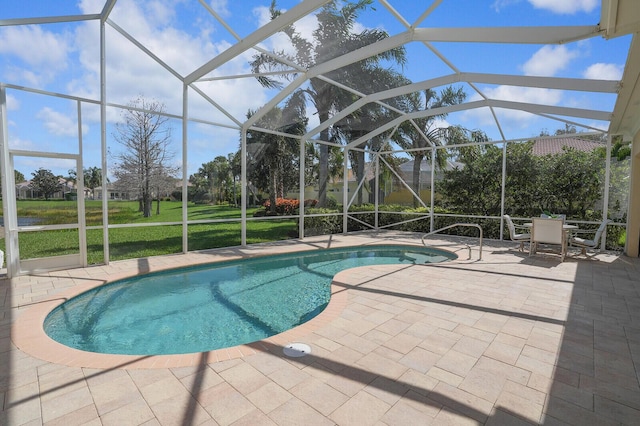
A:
(296, 350)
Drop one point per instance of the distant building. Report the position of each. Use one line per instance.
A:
(114, 192)
(406, 171)
(25, 192)
(552, 146)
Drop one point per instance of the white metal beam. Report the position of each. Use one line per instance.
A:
(600, 86)
(140, 46)
(627, 109)
(510, 35)
(287, 18)
(48, 20)
(559, 83)
(588, 114)
(106, 10)
(519, 106)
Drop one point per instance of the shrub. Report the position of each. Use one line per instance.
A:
(322, 225)
(284, 206)
(331, 202)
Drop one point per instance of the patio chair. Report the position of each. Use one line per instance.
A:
(583, 243)
(548, 231)
(521, 237)
(556, 216)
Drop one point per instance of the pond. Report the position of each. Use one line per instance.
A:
(24, 221)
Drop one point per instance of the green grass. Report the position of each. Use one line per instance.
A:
(137, 242)
(63, 212)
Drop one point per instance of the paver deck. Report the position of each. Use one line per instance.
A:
(507, 340)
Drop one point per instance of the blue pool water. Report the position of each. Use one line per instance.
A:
(214, 306)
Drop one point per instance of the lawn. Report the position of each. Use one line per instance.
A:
(143, 241)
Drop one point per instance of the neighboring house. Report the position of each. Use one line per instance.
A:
(553, 146)
(114, 193)
(24, 191)
(393, 191)
(335, 187)
(406, 172)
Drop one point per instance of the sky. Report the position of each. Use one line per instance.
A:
(63, 58)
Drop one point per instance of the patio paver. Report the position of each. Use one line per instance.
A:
(510, 339)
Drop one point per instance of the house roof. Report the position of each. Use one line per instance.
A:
(554, 146)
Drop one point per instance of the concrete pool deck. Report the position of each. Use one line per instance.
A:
(510, 339)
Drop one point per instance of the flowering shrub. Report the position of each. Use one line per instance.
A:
(288, 206)
(284, 206)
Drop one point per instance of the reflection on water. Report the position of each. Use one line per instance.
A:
(23, 221)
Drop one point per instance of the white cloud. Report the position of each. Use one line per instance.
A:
(90, 6)
(159, 12)
(524, 94)
(35, 46)
(131, 73)
(512, 118)
(280, 42)
(28, 165)
(565, 6)
(498, 5)
(59, 124)
(262, 15)
(549, 60)
(12, 103)
(43, 53)
(601, 71)
(220, 7)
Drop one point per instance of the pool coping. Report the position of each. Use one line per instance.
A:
(29, 336)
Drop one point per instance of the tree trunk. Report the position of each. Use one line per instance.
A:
(146, 202)
(272, 194)
(323, 163)
(417, 161)
(235, 198)
(359, 173)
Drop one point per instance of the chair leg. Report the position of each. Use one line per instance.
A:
(521, 245)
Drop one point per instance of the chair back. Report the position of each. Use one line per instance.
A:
(600, 230)
(557, 216)
(510, 225)
(547, 231)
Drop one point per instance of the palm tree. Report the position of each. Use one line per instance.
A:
(333, 38)
(408, 136)
(274, 158)
(371, 116)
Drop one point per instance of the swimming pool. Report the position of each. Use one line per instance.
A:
(198, 309)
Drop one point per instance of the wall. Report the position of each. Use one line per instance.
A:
(633, 222)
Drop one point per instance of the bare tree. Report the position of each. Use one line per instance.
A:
(145, 136)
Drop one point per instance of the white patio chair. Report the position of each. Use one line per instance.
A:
(577, 241)
(548, 231)
(514, 235)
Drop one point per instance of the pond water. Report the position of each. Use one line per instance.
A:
(23, 221)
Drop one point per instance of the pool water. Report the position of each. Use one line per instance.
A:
(198, 309)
